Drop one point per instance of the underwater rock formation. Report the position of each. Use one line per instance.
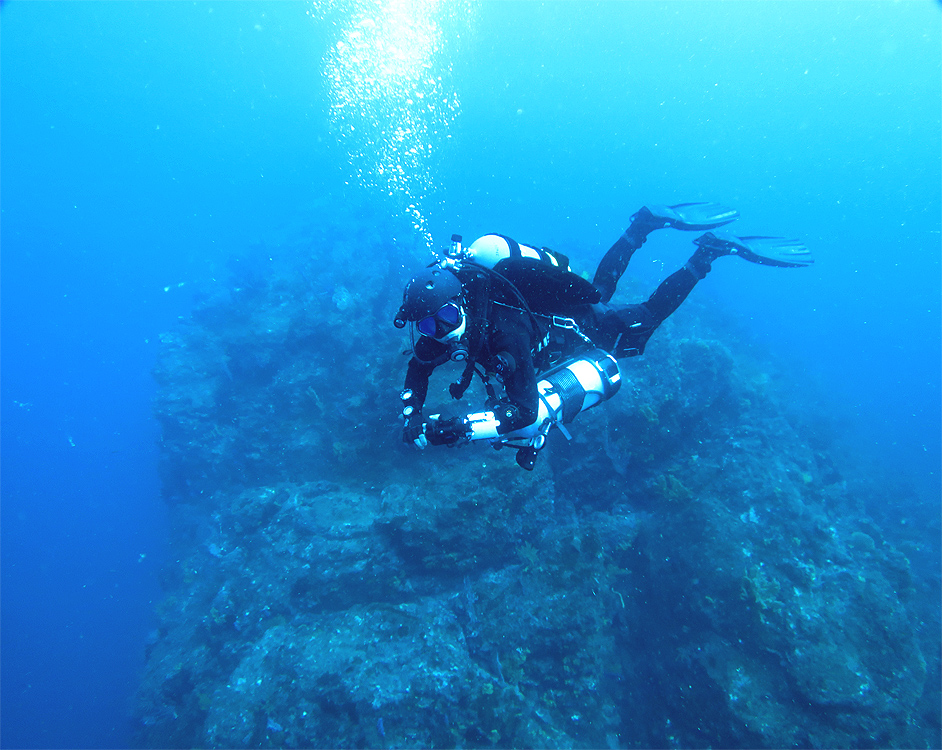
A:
(698, 567)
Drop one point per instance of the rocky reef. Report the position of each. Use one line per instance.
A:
(700, 566)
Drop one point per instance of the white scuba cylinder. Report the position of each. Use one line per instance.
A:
(566, 391)
(491, 249)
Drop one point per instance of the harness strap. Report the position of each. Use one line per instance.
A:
(545, 255)
(458, 388)
(514, 246)
(479, 324)
(475, 335)
(571, 394)
(488, 388)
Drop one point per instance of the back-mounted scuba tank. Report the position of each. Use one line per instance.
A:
(541, 277)
(491, 249)
(566, 391)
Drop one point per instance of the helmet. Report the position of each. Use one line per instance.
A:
(432, 301)
(431, 288)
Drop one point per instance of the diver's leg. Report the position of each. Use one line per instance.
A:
(675, 288)
(671, 292)
(771, 251)
(615, 261)
(624, 330)
(685, 216)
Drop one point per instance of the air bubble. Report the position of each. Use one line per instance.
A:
(387, 48)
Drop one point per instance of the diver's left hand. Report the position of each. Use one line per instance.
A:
(414, 432)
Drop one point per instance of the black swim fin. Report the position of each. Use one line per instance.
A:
(767, 251)
(693, 217)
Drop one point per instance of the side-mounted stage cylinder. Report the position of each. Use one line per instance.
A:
(566, 391)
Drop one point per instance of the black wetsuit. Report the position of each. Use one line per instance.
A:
(502, 343)
(624, 330)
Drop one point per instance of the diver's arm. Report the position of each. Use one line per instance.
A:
(514, 366)
(415, 388)
(413, 397)
(522, 405)
(414, 391)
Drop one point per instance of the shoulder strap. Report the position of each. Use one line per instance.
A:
(477, 329)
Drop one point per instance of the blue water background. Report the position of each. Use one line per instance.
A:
(144, 143)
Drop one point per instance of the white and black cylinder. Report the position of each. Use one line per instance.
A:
(566, 391)
(491, 249)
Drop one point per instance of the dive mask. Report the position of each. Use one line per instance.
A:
(443, 322)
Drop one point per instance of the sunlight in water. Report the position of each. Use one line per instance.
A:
(391, 97)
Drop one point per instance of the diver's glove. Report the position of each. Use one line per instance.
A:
(447, 431)
(414, 432)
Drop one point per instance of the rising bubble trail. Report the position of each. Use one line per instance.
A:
(392, 101)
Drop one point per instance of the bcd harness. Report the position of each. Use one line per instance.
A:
(479, 325)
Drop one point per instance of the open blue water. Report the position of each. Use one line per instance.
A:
(144, 143)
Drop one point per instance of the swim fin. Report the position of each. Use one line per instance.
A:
(693, 217)
(767, 251)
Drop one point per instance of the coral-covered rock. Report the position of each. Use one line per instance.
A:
(693, 569)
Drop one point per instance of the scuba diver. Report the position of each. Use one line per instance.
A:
(519, 316)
